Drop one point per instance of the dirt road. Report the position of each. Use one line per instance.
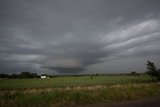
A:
(149, 102)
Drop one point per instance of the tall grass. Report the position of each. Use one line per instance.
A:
(77, 95)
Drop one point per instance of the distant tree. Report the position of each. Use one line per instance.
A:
(34, 75)
(21, 75)
(27, 75)
(91, 77)
(133, 73)
(24, 75)
(4, 75)
(13, 76)
(97, 74)
(152, 70)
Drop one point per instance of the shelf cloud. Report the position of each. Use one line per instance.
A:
(75, 36)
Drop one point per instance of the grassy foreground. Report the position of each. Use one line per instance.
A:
(64, 92)
(51, 97)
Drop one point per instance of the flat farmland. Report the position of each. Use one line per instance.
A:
(73, 91)
(71, 81)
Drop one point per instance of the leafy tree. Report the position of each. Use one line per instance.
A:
(4, 75)
(152, 70)
(13, 76)
(27, 75)
(133, 73)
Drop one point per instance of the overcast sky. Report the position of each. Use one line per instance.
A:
(79, 36)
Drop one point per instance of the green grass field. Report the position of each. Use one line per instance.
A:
(67, 91)
(71, 81)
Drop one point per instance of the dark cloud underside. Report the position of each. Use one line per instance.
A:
(70, 36)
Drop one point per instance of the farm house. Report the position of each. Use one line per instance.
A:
(43, 76)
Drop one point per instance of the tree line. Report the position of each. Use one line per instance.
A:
(21, 75)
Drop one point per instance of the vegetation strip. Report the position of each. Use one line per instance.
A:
(77, 95)
(72, 81)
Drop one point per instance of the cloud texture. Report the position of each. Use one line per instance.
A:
(73, 35)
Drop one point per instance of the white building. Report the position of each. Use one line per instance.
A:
(43, 76)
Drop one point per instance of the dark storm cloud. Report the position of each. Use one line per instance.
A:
(66, 69)
(69, 36)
